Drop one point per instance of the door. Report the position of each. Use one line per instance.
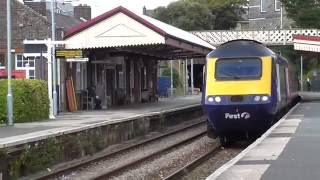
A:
(110, 82)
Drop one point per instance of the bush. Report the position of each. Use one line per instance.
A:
(30, 100)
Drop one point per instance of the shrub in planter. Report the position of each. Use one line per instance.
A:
(30, 100)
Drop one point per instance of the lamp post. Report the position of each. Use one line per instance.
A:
(54, 76)
(9, 59)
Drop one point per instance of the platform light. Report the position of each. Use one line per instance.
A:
(217, 99)
(265, 98)
(210, 99)
(257, 98)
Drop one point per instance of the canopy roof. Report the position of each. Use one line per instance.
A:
(121, 28)
(307, 43)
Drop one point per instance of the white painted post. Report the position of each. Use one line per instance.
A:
(192, 85)
(49, 47)
(59, 83)
(27, 71)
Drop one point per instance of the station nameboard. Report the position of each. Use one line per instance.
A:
(69, 53)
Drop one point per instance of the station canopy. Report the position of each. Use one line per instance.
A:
(307, 43)
(124, 31)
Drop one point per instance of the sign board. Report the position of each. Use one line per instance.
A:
(35, 48)
(69, 53)
(77, 59)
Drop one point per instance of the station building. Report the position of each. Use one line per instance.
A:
(124, 50)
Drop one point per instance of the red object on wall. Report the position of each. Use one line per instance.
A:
(16, 74)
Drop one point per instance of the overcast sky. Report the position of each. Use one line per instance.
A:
(101, 6)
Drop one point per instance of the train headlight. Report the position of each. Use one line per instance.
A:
(265, 98)
(256, 98)
(210, 99)
(217, 99)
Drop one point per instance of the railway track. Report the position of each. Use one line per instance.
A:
(60, 173)
(134, 163)
(178, 174)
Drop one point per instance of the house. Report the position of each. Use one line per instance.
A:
(26, 24)
(31, 23)
(266, 14)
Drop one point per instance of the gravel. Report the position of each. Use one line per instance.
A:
(162, 166)
(204, 170)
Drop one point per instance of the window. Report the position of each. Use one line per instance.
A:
(21, 63)
(277, 5)
(263, 5)
(2, 61)
(231, 69)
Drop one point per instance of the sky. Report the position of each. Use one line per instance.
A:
(100, 6)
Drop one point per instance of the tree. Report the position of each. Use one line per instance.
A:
(185, 15)
(305, 13)
(201, 14)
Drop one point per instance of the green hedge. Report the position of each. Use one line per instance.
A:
(30, 100)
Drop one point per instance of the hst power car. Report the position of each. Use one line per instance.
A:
(245, 86)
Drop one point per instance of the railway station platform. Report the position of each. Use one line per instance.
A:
(26, 148)
(309, 96)
(289, 150)
(71, 122)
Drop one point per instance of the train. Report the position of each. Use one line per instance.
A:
(246, 86)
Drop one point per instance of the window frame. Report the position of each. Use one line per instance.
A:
(275, 5)
(261, 8)
(3, 66)
(23, 61)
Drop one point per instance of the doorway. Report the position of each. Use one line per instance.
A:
(110, 85)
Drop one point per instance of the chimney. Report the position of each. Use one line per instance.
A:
(39, 7)
(82, 12)
(144, 10)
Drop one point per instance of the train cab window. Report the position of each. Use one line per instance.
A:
(240, 68)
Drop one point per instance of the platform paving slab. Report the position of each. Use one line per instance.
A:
(288, 151)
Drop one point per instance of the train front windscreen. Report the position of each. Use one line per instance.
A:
(238, 69)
